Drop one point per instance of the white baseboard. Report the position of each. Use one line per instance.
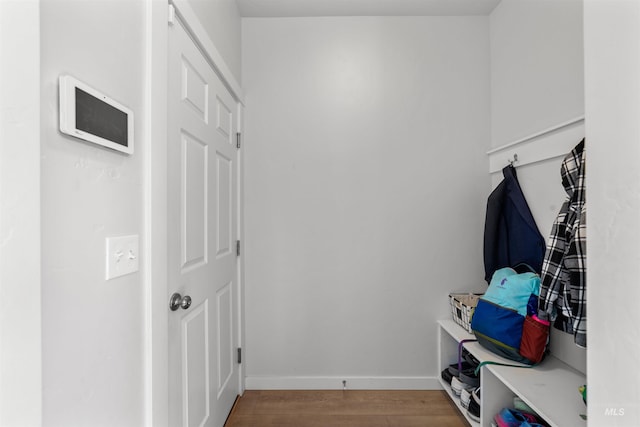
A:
(336, 383)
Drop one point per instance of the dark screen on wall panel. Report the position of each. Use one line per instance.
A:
(101, 119)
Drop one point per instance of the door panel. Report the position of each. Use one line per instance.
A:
(224, 230)
(225, 119)
(195, 90)
(225, 337)
(202, 219)
(195, 349)
(194, 168)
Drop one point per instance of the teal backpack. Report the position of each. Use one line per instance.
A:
(505, 320)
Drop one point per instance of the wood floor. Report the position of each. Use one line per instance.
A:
(351, 408)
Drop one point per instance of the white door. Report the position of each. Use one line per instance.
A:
(202, 198)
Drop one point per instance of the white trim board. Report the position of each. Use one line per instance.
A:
(335, 383)
(241, 258)
(554, 142)
(21, 378)
(154, 241)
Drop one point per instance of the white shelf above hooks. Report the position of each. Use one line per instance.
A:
(550, 143)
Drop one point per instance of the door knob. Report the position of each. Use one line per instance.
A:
(178, 301)
(186, 302)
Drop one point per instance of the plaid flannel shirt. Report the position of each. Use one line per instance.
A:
(563, 290)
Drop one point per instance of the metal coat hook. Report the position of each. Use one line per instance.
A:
(512, 161)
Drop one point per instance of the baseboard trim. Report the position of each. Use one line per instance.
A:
(336, 383)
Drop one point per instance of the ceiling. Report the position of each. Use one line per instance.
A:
(298, 8)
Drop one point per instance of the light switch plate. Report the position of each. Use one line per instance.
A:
(122, 256)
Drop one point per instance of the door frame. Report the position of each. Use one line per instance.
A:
(156, 286)
(20, 259)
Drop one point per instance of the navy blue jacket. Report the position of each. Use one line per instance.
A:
(511, 236)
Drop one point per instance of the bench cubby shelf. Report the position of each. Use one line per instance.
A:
(551, 388)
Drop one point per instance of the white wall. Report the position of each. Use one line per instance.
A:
(20, 305)
(536, 70)
(612, 82)
(537, 82)
(221, 20)
(365, 189)
(93, 330)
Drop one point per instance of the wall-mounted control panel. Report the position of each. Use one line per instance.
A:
(88, 114)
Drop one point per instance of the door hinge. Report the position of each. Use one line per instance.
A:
(171, 17)
(238, 139)
(237, 247)
(239, 355)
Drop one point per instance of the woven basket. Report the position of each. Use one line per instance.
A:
(462, 308)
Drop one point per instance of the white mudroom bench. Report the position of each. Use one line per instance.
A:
(551, 388)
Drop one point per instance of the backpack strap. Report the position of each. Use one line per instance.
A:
(523, 267)
(490, 362)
